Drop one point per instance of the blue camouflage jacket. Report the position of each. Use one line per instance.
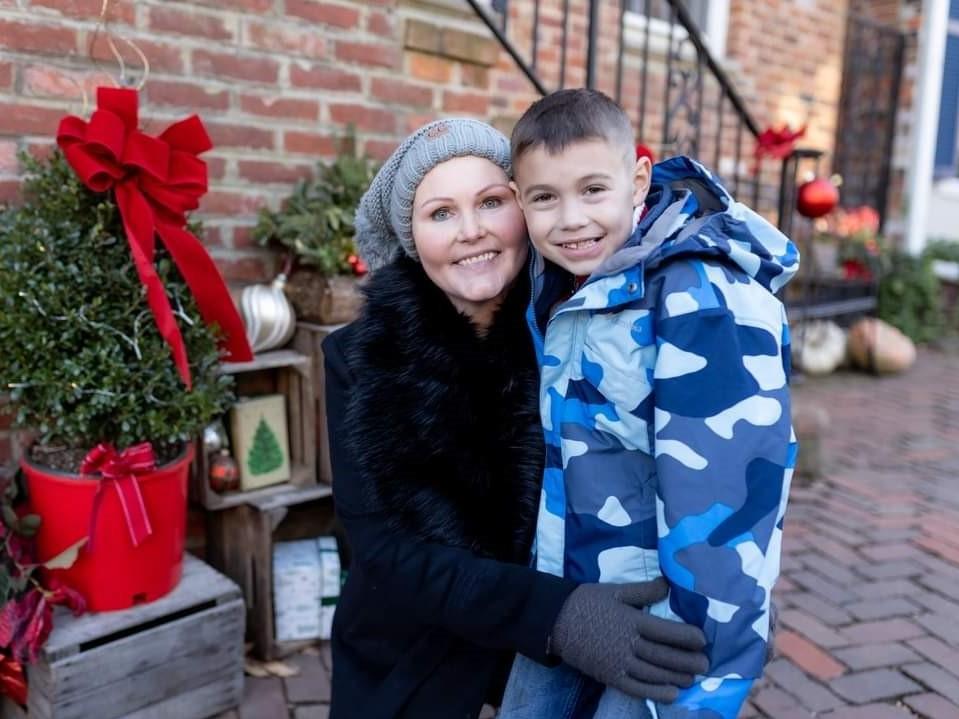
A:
(665, 407)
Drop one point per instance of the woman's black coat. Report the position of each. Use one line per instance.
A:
(437, 454)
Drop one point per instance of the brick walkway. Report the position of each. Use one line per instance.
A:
(869, 594)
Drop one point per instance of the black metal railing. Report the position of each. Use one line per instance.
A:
(872, 74)
(652, 57)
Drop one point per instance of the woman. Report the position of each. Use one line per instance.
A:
(437, 452)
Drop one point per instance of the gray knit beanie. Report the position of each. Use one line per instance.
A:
(384, 215)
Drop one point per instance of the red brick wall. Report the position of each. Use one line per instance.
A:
(277, 84)
(784, 51)
(883, 11)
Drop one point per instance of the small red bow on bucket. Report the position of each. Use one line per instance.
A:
(156, 181)
(120, 470)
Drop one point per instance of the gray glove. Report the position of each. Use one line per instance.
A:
(602, 631)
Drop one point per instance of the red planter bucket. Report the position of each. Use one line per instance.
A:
(115, 574)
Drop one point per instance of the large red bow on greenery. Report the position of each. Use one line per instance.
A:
(156, 181)
(120, 470)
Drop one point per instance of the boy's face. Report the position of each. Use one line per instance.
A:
(579, 202)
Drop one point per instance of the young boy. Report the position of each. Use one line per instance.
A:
(664, 361)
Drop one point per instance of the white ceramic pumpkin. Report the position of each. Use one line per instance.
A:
(818, 346)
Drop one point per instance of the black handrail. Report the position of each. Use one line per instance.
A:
(593, 42)
(509, 47)
(686, 20)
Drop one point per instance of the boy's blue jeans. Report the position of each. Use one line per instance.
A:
(538, 692)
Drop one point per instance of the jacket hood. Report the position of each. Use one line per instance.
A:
(691, 213)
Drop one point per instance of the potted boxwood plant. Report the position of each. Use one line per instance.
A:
(315, 227)
(91, 377)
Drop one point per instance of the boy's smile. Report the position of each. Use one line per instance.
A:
(579, 202)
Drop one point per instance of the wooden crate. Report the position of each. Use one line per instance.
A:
(308, 339)
(180, 656)
(288, 373)
(240, 544)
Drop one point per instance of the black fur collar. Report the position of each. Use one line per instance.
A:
(443, 423)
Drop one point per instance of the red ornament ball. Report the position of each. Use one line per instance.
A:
(816, 198)
(224, 473)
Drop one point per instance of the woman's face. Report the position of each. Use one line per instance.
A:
(469, 233)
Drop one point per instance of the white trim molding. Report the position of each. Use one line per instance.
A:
(717, 27)
(932, 52)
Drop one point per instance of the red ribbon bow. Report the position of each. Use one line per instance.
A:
(120, 471)
(156, 181)
(778, 143)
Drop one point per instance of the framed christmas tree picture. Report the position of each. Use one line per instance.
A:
(260, 440)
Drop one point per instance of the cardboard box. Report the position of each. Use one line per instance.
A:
(306, 585)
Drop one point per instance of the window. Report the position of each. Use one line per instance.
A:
(659, 9)
(947, 138)
(711, 17)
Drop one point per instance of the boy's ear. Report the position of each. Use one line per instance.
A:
(642, 177)
(515, 188)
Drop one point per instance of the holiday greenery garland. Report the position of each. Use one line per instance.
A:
(316, 223)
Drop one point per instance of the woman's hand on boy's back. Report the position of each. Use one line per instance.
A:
(603, 632)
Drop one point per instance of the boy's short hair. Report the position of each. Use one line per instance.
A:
(567, 116)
